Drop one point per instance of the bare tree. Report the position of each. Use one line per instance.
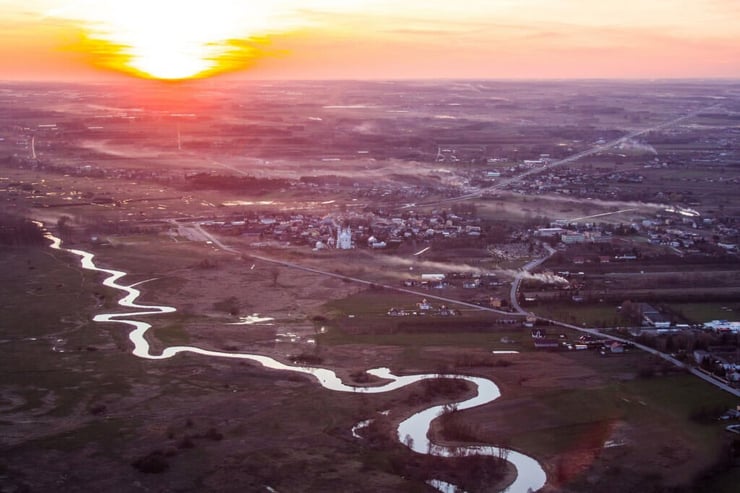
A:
(408, 441)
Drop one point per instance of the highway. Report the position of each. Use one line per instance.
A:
(570, 159)
(647, 349)
(596, 149)
(596, 332)
(196, 231)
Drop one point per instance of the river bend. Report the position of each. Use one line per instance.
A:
(412, 432)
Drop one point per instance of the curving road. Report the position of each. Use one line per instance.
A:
(596, 332)
(528, 267)
(413, 431)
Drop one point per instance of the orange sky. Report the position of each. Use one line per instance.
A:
(370, 39)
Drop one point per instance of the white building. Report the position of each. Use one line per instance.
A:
(433, 277)
(723, 326)
(344, 238)
(549, 232)
(570, 238)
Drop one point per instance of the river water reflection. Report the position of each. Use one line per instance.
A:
(413, 431)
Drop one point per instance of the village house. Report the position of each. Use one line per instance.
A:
(653, 318)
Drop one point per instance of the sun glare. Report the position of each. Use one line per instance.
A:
(171, 39)
(176, 39)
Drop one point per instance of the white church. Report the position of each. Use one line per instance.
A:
(344, 238)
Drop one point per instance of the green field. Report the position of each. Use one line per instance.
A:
(705, 312)
(586, 314)
(75, 365)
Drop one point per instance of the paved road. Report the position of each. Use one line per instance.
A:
(526, 269)
(199, 231)
(424, 294)
(570, 159)
(666, 357)
(595, 332)
(599, 148)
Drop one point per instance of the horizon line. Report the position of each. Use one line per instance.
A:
(227, 79)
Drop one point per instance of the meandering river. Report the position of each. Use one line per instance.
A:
(412, 432)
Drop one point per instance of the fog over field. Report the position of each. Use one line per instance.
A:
(488, 285)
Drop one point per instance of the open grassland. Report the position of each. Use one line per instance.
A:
(55, 362)
(365, 314)
(705, 312)
(585, 314)
(586, 415)
(591, 416)
(95, 409)
(75, 401)
(79, 413)
(517, 208)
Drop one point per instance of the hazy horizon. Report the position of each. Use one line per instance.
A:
(371, 39)
(232, 78)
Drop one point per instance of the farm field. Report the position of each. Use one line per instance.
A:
(233, 218)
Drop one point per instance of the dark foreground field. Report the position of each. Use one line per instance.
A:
(79, 412)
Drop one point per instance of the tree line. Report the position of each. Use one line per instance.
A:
(19, 231)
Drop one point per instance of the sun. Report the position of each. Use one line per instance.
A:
(183, 39)
(173, 39)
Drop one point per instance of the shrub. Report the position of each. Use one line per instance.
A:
(307, 359)
(152, 463)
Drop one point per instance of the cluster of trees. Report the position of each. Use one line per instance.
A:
(158, 461)
(686, 342)
(333, 180)
(230, 305)
(467, 471)
(713, 366)
(18, 231)
(206, 181)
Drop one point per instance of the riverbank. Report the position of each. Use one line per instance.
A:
(553, 405)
